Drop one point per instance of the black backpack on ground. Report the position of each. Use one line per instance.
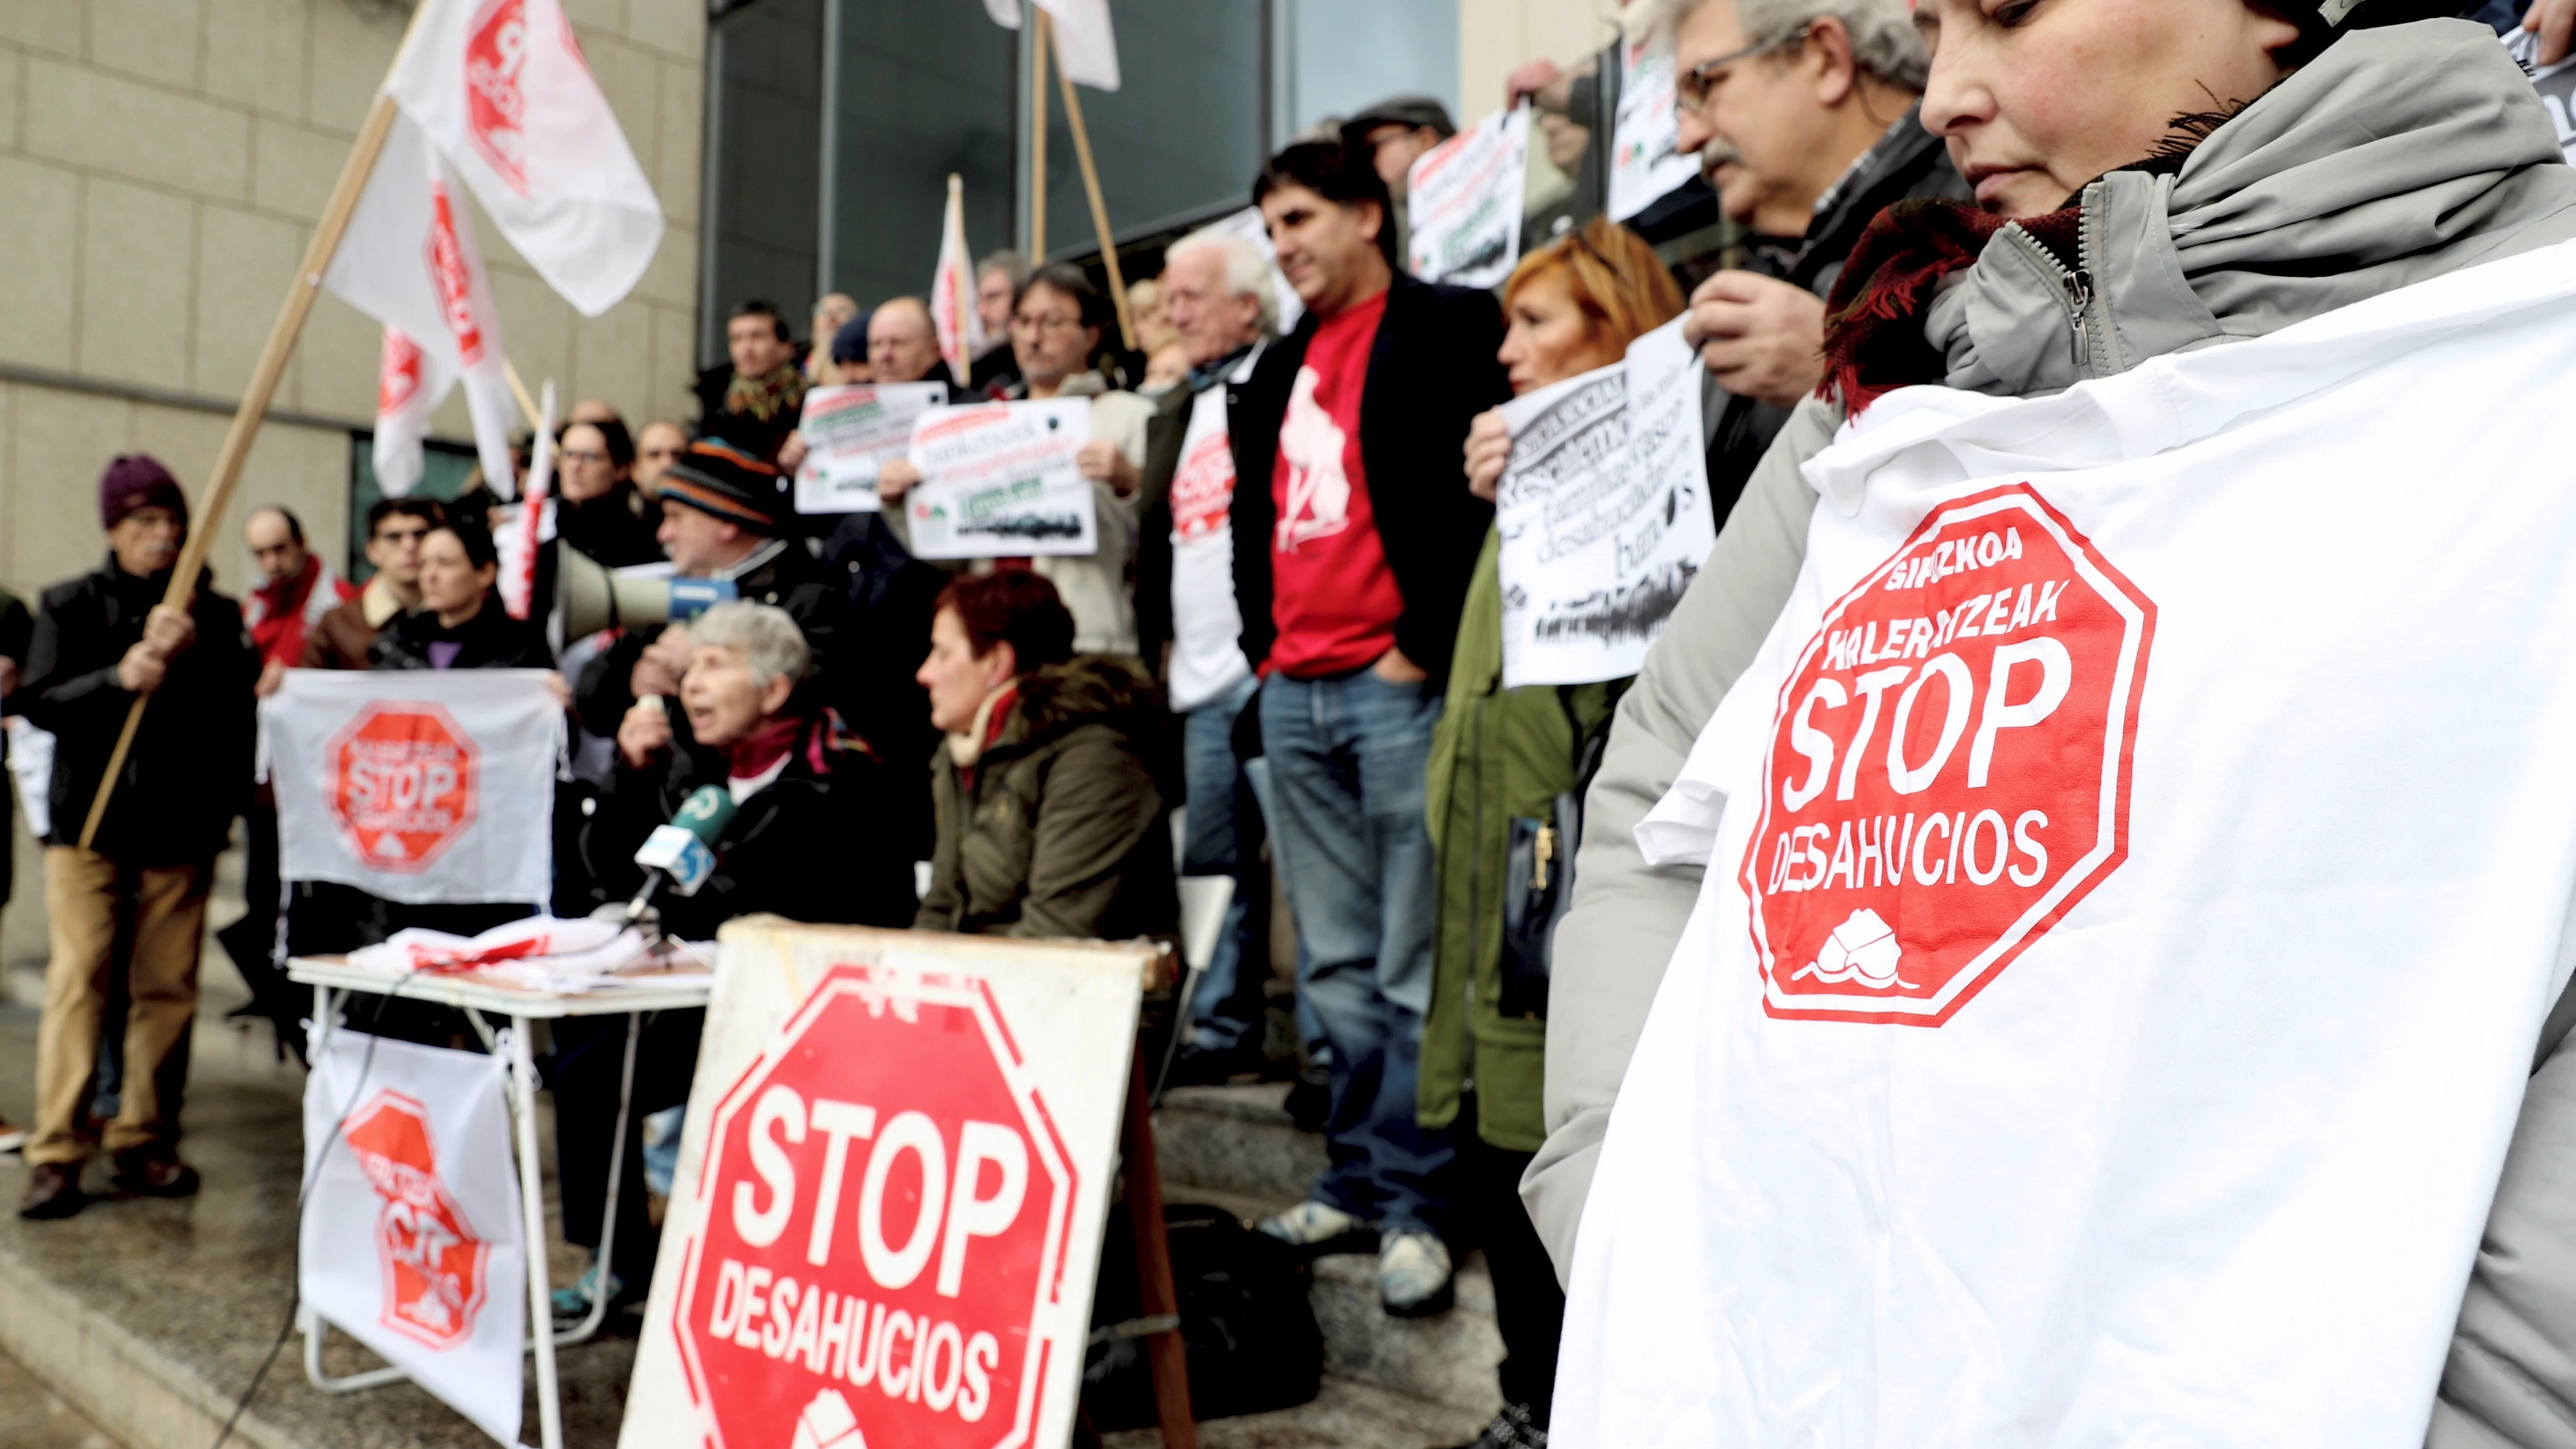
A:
(1253, 1343)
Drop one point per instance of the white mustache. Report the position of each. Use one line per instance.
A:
(1718, 152)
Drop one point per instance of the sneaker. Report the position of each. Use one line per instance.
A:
(1511, 1429)
(53, 1191)
(12, 1136)
(153, 1173)
(572, 1304)
(1319, 1226)
(1414, 1276)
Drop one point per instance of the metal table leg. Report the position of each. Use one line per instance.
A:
(532, 1202)
(589, 1324)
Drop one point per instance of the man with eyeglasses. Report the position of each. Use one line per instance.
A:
(1393, 134)
(395, 526)
(1802, 113)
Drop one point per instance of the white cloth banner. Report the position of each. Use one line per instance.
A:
(409, 382)
(502, 89)
(850, 432)
(1604, 514)
(410, 1241)
(998, 481)
(1463, 203)
(31, 764)
(952, 295)
(409, 260)
(424, 787)
(1644, 167)
(1084, 43)
(2109, 1002)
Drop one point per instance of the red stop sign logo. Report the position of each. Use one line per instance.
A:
(887, 1202)
(403, 784)
(434, 1265)
(1948, 770)
(496, 107)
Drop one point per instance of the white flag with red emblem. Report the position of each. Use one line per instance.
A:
(503, 91)
(409, 261)
(411, 1240)
(1084, 44)
(410, 383)
(952, 290)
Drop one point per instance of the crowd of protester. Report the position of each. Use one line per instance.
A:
(1308, 669)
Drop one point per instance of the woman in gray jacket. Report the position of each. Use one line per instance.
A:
(2176, 175)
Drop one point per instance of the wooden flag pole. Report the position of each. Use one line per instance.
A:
(1038, 140)
(1099, 208)
(254, 404)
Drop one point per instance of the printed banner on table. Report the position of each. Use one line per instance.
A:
(998, 481)
(1463, 203)
(891, 1190)
(849, 434)
(410, 1240)
(424, 787)
(1604, 514)
(1644, 167)
(2068, 937)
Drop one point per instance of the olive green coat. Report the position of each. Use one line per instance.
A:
(1496, 755)
(1061, 828)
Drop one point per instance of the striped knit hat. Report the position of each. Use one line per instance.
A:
(718, 478)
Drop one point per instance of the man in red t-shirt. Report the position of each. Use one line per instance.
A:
(1350, 568)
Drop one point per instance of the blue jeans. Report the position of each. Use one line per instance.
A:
(1219, 823)
(1346, 765)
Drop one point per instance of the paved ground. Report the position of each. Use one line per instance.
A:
(32, 1418)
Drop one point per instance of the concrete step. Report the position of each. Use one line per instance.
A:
(1237, 1140)
(1234, 1148)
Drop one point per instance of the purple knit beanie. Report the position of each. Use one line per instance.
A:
(137, 480)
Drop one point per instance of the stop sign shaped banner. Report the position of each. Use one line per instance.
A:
(1948, 769)
(432, 786)
(403, 784)
(891, 1207)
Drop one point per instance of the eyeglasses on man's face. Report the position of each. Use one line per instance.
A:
(1694, 88)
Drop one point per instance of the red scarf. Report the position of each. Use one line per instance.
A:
(1874, 340)
(760, 751)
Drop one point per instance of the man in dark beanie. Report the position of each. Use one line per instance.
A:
(726, 515)
(102, 640)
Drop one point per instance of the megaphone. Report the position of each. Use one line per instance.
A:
(589, 598)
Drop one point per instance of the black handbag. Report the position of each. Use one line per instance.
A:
(1538, 873)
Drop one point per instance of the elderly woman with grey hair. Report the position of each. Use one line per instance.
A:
(806, 841)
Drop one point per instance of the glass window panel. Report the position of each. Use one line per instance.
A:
(767, 100)
(925, 89)
(1180, 137)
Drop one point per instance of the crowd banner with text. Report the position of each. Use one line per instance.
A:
(891, 1192)
(1644, 167)
(423, 787)
(1604, 514)
(2066, 915)
(998, 481)
(1463, 203)
(850, 432)
(410, 1237)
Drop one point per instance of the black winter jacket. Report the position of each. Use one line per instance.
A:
(189, 773)
(1431, 371)
(489, 640)
(805, 846)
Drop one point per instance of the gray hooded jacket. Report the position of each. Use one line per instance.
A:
(2398, 155)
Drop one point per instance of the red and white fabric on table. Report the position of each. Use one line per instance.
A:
(409, 260)
(410, 1239)
(501, 89)
(2139, 864)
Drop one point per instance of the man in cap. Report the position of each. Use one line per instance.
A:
(1394, 134)
(725, 515)
(101, 641)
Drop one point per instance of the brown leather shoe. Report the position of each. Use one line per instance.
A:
(154, 1174)
(53, 1191)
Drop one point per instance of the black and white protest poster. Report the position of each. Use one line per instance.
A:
(1463, 200)
(998, 481)
(850, 432)
(1604, 514)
